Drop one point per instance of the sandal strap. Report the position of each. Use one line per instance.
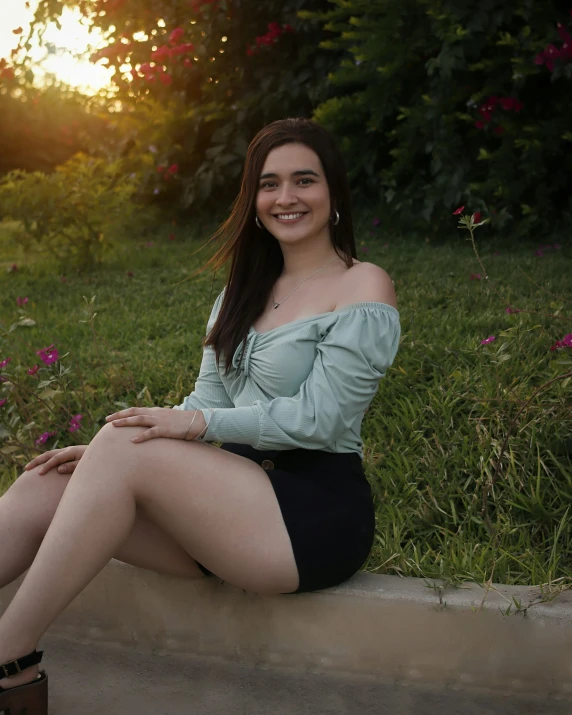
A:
(16, 666)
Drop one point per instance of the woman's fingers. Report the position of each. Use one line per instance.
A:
(68, 467)
(40, 459)
(137, 421)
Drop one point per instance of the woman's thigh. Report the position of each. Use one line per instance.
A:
(37, 496)
(220, 507)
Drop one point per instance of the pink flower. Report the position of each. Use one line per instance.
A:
(33, 370)
(2, 402)
(75, 423)
(43, 438)
(488, 340)
(3, 363)
(176, 35)
(566, 342)
(21, 301)
(458, 211)
(475, 276)
(48, 355)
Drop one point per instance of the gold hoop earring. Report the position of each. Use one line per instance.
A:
(336, 222)
(257, 220)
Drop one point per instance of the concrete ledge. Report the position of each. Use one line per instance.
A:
(392, 628)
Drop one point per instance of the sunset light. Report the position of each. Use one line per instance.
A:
(59, 55)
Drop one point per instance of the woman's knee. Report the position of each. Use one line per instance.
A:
(37, 496)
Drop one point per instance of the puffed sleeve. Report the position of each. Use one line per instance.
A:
(209, 390)
(351, 359)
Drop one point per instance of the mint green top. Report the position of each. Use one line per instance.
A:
(304, 384)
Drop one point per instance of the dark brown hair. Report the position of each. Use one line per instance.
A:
(256, 259)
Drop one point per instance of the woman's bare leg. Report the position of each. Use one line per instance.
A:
(26, 512)
(219, 506)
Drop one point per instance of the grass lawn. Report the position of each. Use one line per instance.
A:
(433, 434)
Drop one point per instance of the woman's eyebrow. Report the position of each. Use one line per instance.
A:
(301, 172)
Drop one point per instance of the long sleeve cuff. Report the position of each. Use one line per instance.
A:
(234, 424)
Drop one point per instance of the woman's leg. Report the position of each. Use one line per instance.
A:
(26, 512)
(220, 507)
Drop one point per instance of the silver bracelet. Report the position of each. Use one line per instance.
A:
(204, 431)
(187, 432)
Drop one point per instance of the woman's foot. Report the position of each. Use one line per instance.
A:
(26, 676)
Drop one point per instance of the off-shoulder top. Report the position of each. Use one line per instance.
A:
(304, 384)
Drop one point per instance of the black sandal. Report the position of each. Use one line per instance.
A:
(28, 699)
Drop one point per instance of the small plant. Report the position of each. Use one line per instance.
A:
(560, 366)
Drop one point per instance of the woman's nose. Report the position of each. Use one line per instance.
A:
(286, 195)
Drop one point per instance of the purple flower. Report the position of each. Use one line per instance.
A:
(21, 301)
(488, 340)
(48, 355)
(376, 221)
(33, 370)
(5, 362)
(43, 438)
(75, 423)
(2, 402)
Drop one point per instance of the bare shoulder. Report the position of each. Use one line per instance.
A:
(366, 282)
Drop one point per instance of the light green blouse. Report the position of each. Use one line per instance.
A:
(304, 384)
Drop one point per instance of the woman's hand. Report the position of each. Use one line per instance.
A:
(162, 422)
(65, 459)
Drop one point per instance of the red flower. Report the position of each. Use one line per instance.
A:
(480, 124)
(173, 169)
(485, 113)
(500, 130)
(507, 103)
(161, 53)
(171, 237)
(166, 79)
(161, 169)
(539, 59)
(477, 217)
(458, 211)
(188, 62)
(176, 35)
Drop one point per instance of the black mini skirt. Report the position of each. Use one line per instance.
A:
(327, 506)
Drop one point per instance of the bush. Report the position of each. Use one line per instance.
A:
(447, 102)
(75, 213)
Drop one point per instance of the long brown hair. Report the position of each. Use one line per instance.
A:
(256, 260)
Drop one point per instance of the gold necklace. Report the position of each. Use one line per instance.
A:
(299, 284)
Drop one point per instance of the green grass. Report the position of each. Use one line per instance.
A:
(433, 434)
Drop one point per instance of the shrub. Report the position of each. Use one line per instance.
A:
(75, 213)
(443, 102)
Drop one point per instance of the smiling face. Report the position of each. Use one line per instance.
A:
(293, 198)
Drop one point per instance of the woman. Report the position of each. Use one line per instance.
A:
(283, 506)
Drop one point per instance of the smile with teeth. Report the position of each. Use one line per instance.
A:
(289, 217)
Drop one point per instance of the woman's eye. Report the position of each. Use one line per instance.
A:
(267, 184)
